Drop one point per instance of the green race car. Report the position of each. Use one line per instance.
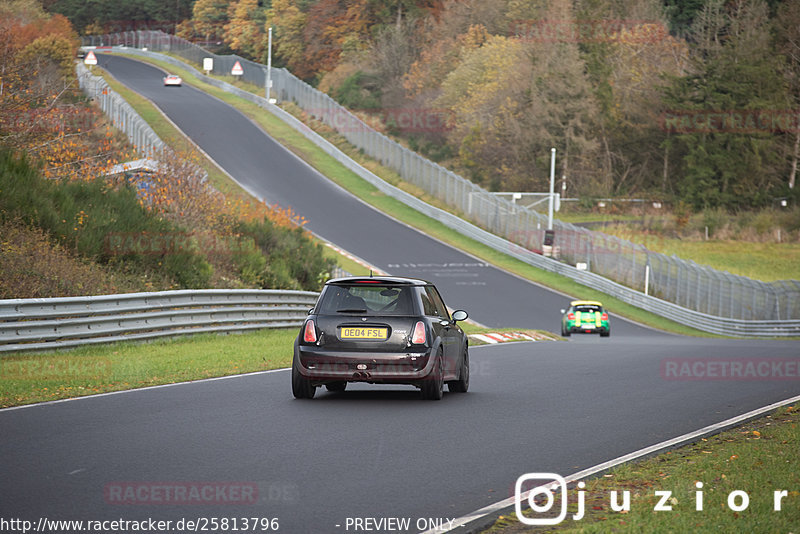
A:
(585, 316)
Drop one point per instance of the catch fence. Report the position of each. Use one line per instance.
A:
(120, 113)
(668, 278)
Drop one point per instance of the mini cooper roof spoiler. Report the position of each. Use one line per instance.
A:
(378, 280)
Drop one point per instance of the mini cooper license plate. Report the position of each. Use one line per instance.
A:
(360, 332)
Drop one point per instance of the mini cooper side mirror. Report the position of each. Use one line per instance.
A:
(460, 315)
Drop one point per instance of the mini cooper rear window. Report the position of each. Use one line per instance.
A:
(366, 300)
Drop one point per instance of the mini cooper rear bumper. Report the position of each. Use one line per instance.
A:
(322, 366)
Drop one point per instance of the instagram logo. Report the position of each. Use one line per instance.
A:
(537, 507)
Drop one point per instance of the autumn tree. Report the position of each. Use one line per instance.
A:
(322, 37)
(627, 52)
(209, 18)
(40, 110)
(244, 32)
(395, 11)
(512, 100)
(436, 61)
(287, 22)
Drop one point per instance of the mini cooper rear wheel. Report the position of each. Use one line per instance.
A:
(462, 384)
(301, 386)
(433, 386)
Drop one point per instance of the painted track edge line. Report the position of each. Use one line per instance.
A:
(684, 439)
(159, 386)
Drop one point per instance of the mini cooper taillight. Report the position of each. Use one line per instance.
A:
(418, 337)
(571, 317)
(310, 333)
(604, 317)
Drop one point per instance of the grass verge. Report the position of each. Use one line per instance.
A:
(757, 458)
(334, 170)
(760, 261)
(46, 376)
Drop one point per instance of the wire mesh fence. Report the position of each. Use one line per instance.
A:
(670, 278)
(121, 114)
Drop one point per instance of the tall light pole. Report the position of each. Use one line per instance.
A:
(552, 188)
(269, 62)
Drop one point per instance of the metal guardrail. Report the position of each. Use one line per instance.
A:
(54, 323)
(702, 321)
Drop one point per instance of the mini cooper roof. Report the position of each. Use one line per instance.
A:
(392, 280)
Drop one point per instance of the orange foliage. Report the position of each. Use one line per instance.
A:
(45, 117)
(436, 61)
(179, 192)
(323, 37)
(40, 109)
(25, 34)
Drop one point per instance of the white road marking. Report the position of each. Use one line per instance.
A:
(647, 451)
(142, 389)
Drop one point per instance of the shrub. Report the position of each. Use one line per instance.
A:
(81, 215)
(293, 260)
(34, 267)
(715, 220)
(358, 91)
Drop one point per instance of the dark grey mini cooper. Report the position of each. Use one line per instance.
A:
(381, 330)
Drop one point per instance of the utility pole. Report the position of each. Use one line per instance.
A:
(269, 63)
(552, 188)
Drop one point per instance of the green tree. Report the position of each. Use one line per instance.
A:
(735, 71)
(788, 43)
(513, 99)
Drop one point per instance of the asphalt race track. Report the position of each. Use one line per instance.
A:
(370, 452)
(491, 296)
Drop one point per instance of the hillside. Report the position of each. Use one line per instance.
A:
(68, 228)
(674, 100)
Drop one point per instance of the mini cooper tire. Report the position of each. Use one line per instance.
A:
(301, 386)
(462, 384)
(433, 386)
